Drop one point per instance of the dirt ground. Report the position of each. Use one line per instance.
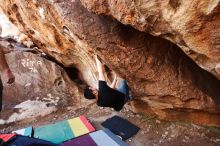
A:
(153, 132)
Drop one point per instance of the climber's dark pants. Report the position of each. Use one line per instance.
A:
(1, 90)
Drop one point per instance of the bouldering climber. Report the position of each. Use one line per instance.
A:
(107, 95)
(5, 72)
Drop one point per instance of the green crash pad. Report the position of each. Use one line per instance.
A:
(65, 130)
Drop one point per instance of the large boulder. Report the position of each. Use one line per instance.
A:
(41, 87)
(192, 25)
(163, 79)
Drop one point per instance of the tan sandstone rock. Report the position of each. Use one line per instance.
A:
(40, 87)
(193, 25)
(163, 79)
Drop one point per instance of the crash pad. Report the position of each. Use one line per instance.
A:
(114, 137)
(25, 131)
(64, 130)
(121, 127)
(99, 138)
(84, 140)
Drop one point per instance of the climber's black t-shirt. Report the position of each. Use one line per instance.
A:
(108, 97)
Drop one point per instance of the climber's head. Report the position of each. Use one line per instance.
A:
(90, 93)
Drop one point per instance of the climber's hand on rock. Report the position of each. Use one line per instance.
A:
(98, 60)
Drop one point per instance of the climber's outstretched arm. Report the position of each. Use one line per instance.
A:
(100, 69)
(3, 63)
(114, 81)
(4, 68)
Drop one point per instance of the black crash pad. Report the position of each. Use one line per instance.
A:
(121, 127)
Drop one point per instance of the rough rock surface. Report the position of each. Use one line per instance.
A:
(163, 79)
(192, 25)
(41, 87)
